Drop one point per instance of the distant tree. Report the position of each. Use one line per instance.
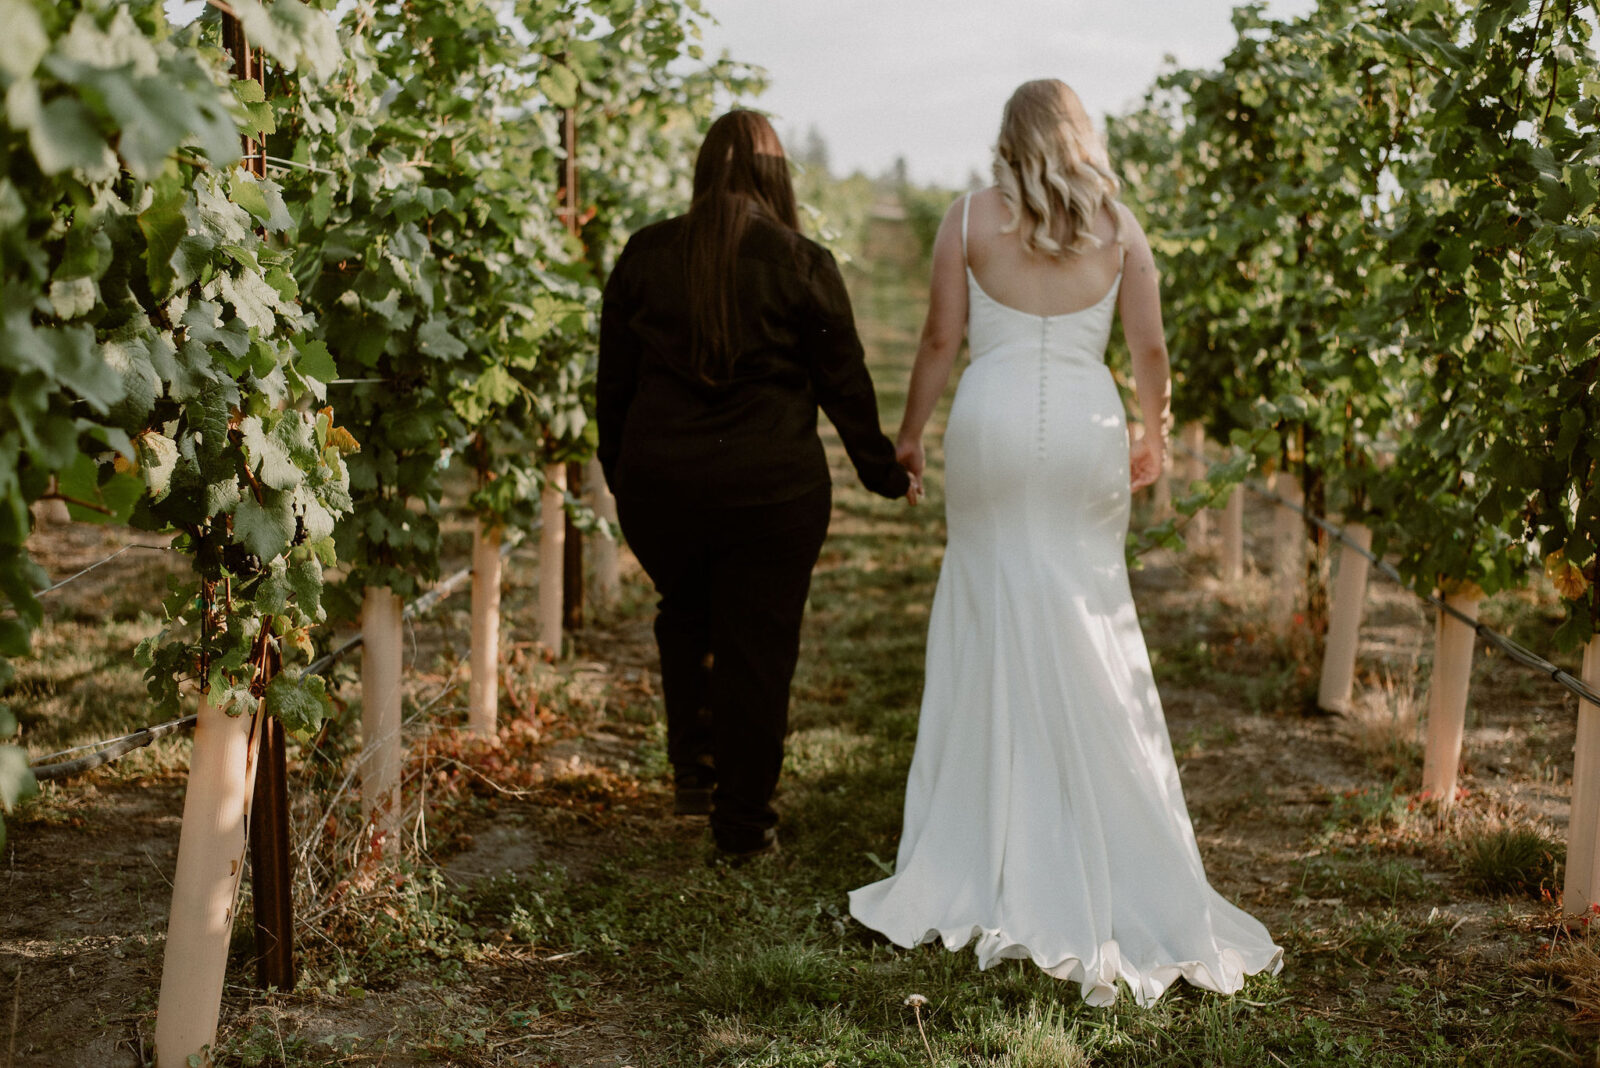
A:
(813, 152)
(900, 173)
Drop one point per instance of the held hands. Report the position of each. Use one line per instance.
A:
(911, 457)
(1144, 464)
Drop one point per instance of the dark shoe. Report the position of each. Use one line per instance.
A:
(691, 801)
(692, 787)
(733, 858)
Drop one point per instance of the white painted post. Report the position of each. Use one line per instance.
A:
(552, 545)
(381, 750)
(607, 575)
(1344, 622)
(483, 689)
(1289, 550)
(211, 850)
(1233, 536)
(1194, 441)
(1453, 641)
(1582, 890)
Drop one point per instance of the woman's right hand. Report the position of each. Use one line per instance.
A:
(911, 457)
(908, 451)
(1144, 464)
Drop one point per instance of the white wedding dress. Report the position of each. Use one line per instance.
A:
(1043, 814)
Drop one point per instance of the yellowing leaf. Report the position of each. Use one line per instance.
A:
(343, 440)
(1565, 576)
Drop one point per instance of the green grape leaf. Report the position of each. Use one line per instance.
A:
(272, 594)
(264, 528)
(301, 702)
(292, 33)
(16, 638)
(158, 458)
(254, 302)
(221, 496)
(305, 579)
(262, 199)
(91, 500)
(164, 226)
(16, 781)
(154, 119)
(316, 361)
(435, 339)
(74, 298)
(24, 42)
(201, 322)
(559, 86)
(64, 137)
(269, 457)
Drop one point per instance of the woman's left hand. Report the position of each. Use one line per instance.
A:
(1144, 464)
(915, 492)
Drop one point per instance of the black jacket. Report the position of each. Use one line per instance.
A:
(667, 434)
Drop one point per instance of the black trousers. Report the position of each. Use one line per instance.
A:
(733, 585)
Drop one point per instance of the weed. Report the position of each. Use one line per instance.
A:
(1383, 725)
(1378, 937)
(520, 906)
(1370, 808)
(1365, 880)
(774, 980)
(1037, 1038)
(1511, 860)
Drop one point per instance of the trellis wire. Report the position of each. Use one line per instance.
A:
(78, 575)
(52, 767)
(1520, 653)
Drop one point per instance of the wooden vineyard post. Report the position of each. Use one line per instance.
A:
(211, 848)
(552, 556)
(1344, 622)
(483, 689)
(572, 558)
(1233, 536)
(570, 611)
(1289, 549)
(607, 577)
(272, 891)
(1194, 443)
(381, 752)
(1581, 892)
(1447, 696)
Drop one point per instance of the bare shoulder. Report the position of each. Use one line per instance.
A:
(1133, 238)
(987, 204)
(1128, 227)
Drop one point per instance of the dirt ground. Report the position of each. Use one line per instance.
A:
(86, 880)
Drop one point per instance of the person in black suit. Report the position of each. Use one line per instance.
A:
(722, 332)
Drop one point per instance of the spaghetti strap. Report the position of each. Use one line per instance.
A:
(966, 204)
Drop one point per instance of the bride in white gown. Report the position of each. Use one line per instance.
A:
(1043, 813)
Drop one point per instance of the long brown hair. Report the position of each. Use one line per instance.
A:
(741, 172)
(1052, 170)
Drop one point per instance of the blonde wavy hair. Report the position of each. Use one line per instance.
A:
(1052, 170)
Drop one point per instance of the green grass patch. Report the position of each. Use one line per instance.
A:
(1512, 860)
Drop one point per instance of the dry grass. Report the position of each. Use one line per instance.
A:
(1384, 723)
(1572, 962)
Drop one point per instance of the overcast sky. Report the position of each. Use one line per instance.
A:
(926, 79)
